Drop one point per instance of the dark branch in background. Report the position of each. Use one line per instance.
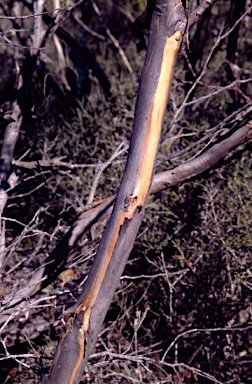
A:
(232, 69)
(19, 108)
(142, 23)
(10, 138)
(198, 12)
(236, 10)
(82, 50)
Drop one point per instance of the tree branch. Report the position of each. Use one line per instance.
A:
(82, 50)
(86, 317)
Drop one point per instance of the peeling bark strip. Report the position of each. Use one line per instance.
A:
(86, 317)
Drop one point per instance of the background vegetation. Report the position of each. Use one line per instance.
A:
(190, 273)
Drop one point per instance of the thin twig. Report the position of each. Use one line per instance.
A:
(113, 39)
(100, 167)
